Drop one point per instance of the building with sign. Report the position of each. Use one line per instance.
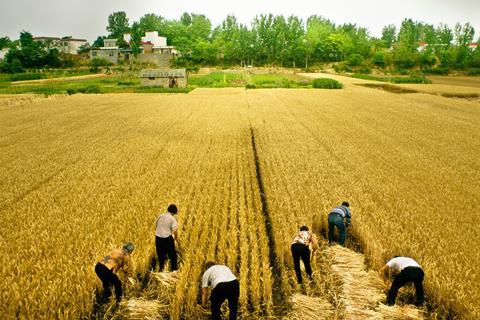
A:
(166, 78)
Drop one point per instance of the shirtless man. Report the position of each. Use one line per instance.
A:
(107, 268)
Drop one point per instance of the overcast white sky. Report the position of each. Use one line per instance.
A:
(88, 18)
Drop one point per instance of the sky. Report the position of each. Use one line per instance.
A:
(88, 19)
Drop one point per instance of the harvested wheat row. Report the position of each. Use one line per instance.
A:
(142, 309)
(309, 308)
(361, 291)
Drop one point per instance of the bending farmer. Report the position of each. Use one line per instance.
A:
(336, 218)
(224, 286)
(108, 267)
(165, 236)
(300, 250)
(405, 270)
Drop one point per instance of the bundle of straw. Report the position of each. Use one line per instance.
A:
(362, 290)
(309, 308)
(400, 312)
(143, 309)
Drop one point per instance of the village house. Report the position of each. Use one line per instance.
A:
(65, 45)
(3, 53)
(154, 50)
(110, 51)
(166, 78)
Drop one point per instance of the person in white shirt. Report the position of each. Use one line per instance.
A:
(165, 237)
(301, 251)
(224, 286)
(405, 270)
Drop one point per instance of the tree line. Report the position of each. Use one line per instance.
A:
(291, 42)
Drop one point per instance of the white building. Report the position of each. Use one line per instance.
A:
(153, 38)
(66, 44)
(3, 53)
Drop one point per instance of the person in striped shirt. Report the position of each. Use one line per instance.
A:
(301, 251)
(341, 218)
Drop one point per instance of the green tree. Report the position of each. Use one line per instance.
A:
(5, 42)
(318, 29)
(150, 22)
(98, 42)
(118, 24)
(389, 34)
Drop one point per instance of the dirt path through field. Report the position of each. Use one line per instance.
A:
(60, 79)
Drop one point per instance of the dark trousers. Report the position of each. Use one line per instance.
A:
(225, 291)
(166, 246)
(108, 279)
(408, 274)
(301, 251)
(336, 220)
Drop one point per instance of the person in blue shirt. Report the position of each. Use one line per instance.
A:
(341, 218)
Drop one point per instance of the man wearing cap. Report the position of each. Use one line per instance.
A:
(341, 218)
(165, 236)
(224, 286)
(405, 270)
(107, 269)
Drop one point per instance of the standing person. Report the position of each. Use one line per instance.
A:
(341, 218)
(405, 270)
(300, 250)
(107, 268)
(224, 286)
(165, 237)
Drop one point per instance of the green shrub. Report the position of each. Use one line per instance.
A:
(26, 76)
(325, 83)
(250, 86)
(92, 88)
(354, 60)
(96, 63)
(474, 72)
(437, 70)
(126, 83)
(410, 80)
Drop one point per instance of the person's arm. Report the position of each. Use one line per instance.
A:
(204, 297)
(314, 245)
(348, 217)
(174, 228)
(385, 273)
(127, 265)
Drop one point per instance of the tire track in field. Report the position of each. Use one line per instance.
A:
(277, 290)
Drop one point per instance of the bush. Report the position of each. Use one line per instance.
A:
(92, 88)
(96, 63)
(379, 60)
(325, 83)
(437, 70)
(126, 83)
(410, 80)
(250, 86)
(474, 72)
(26, 76)
(355, 60)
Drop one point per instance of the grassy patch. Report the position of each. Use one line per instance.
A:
(218, 80)
(393, 79)
(326, 83)
(126, 83)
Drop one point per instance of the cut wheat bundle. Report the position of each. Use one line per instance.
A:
(309, 308)
(362, 290)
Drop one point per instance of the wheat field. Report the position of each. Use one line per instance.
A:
(246, 168)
